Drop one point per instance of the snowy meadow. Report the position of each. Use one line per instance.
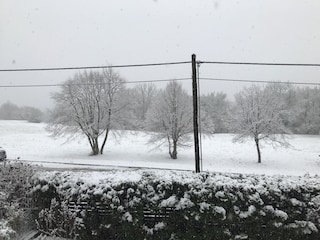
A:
(31, 142)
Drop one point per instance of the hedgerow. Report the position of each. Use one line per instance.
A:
(184, 205)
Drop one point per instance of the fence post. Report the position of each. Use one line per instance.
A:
(195, 113)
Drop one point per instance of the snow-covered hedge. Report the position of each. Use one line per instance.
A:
(14, 210)
(203, 206)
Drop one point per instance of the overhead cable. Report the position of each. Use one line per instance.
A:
(91, 67)
(257, 81)
(160, 64)
(264, 64)
(90, 84)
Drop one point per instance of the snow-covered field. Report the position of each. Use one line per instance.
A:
(29, 141)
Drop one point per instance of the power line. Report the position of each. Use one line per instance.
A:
(160, 64)
(257, 81)
(161, 80)
(92, 67)
(90, 84)
(264, 64)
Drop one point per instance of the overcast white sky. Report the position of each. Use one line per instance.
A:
(59, 33)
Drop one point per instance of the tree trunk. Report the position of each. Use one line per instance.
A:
(104, 141)
(107, 131)
(95, 146)
(258, 149)
(174, 153)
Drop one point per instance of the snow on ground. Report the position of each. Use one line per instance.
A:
(30, 141)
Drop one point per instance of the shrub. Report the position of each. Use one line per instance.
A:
(184, 205)
(15, 217)
(56, 220)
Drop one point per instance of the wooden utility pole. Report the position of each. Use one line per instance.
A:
(195, 112)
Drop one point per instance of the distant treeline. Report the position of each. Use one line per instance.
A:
(301, 110)
(301, 105)
(10, 111)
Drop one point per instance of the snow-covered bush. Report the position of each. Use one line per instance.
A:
(14, 187)
(173, 205)
(6, 231)
(56, 220)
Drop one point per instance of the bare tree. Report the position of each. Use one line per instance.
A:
(143, 96)
(170, 118)
(88, 103)
(218, 108)
(258, 115)
(9, 111)
(113, 102)
(306, 111)
(31, 114)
